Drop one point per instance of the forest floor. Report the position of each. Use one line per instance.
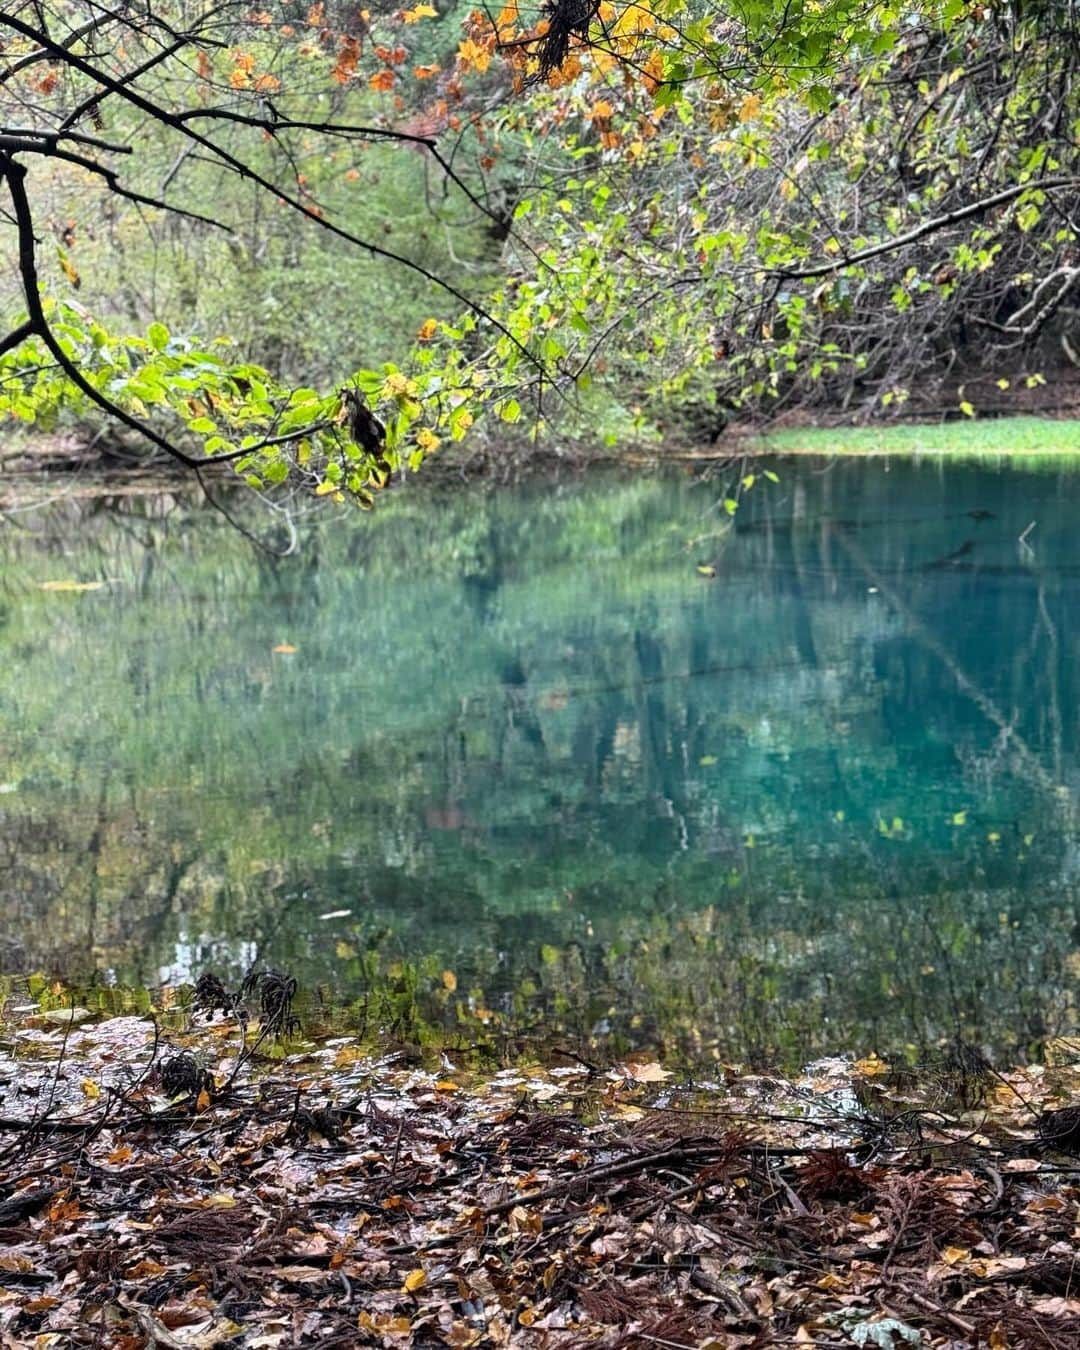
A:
(228, 1183)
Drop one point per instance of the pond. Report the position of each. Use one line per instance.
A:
(599, 760)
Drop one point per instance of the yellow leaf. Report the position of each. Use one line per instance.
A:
(449, 980)
(420, 12)
(445, 1085)
(871, 1066)
(749, 108)
(427, 330)
(202, 1102)
(427, 440)
(706, 569)
(71, 585)
(952, 1255)
(325, 488)
(69, 269)
(90, 1089)
(471, 54)
(416, 1279)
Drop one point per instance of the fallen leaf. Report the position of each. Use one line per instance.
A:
(416, 1279)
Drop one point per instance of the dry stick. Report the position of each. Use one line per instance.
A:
(625, 1168)
(928, 1305)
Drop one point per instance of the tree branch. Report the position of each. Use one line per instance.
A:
(921, 231)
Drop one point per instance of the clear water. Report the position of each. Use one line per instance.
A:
(824, 798)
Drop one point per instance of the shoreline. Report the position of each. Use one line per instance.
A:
(230, 1182)
(66, 464)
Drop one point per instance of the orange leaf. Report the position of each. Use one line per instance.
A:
(426, 72)
(382, 81)
(427, 330)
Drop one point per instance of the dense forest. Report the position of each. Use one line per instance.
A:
(320, 242)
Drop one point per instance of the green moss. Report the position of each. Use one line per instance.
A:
(1032, 442)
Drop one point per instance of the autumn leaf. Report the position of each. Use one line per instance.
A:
(347, 60)
(646, 1073)
(416, 1279)
(382, 81)
(473, 56)
(420, 12)
(427, 330)
(426, 72)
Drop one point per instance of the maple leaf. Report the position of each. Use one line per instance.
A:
(382, 81)
(473, 56)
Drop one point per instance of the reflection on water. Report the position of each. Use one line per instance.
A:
(798, 780)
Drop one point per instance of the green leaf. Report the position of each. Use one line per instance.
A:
(159, 336)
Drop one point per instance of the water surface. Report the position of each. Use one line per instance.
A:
(800, 779)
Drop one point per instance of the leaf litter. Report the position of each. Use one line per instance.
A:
(233, 1184)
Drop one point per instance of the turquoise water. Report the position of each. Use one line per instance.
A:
(800, 778)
